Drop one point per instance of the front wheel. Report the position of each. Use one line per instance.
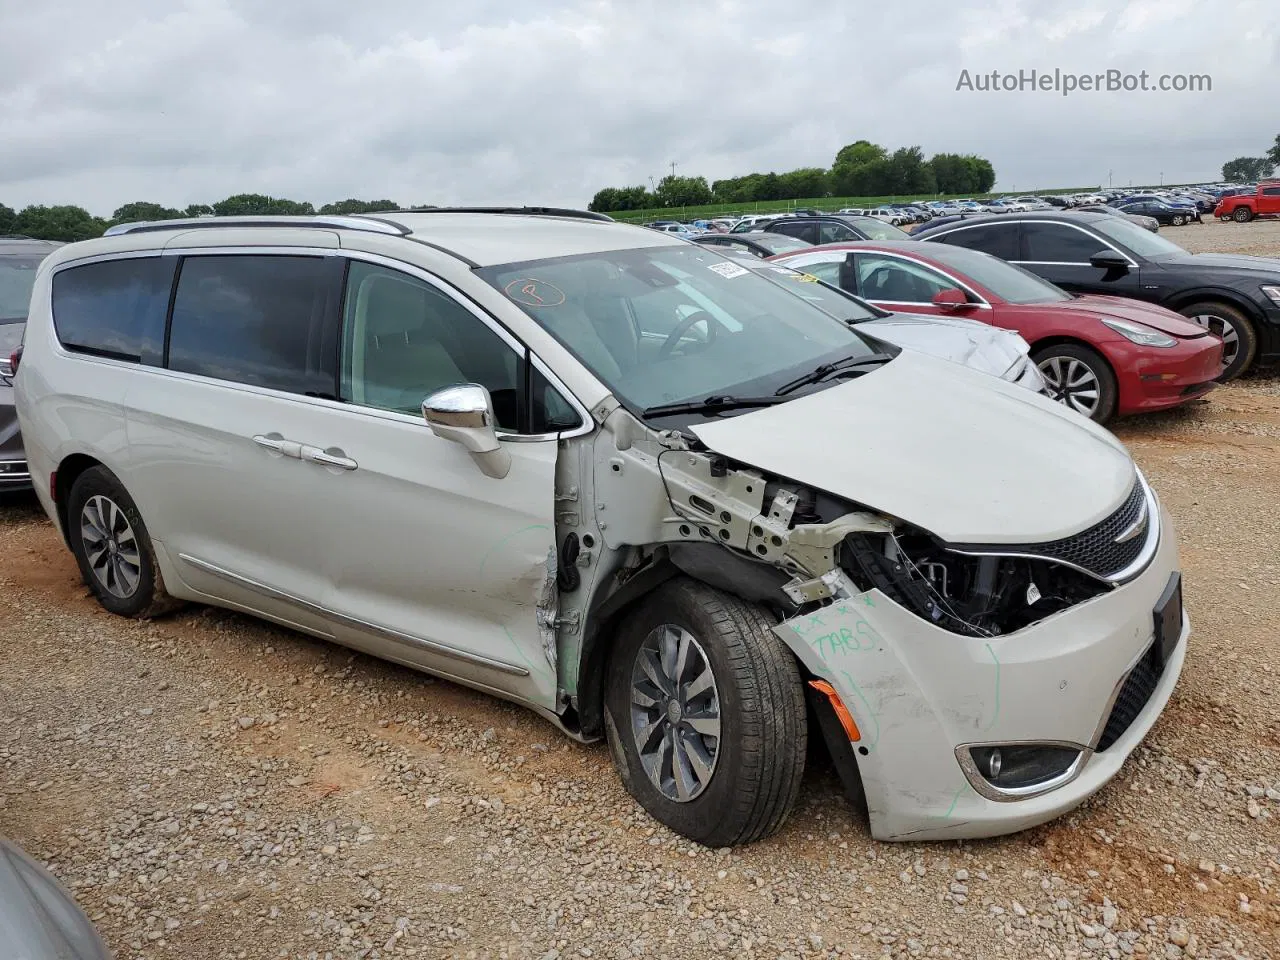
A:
(1239, 340)
(705, 714)
(1178, 220)
(112, 547)
(1243, 215)
(1078, 376)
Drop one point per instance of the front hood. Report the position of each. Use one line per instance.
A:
(1219, 261)
(976, 345)
(969, 458)
(1124, 308)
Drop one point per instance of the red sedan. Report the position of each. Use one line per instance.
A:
(1100, 355)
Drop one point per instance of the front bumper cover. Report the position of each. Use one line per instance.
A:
(917, 692)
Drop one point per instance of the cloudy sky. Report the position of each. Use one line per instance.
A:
(543, 101)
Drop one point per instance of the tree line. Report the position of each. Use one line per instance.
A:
(860, 169)
(71, 223)
(1252, 168)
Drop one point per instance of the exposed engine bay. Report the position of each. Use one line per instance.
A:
(794, 548)
(973, 595)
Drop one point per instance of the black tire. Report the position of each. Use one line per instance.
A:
(1178, 220)
(1224, 320)
(760, 753)
(143, 598)
(1243, 215)
(1067, 354)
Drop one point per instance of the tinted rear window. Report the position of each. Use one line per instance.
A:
(115, 308)
(17, 277)
(261, 320)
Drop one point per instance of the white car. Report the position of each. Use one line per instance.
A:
(620, 479)
(979, 346)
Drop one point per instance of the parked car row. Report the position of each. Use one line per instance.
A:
(693, 507)
(1236, 298)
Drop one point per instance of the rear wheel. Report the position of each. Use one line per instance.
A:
(1243, 215)
(112, 547)
(1078, 376)
(705, 715)
(1239, 340)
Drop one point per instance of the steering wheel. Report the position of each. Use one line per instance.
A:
(683, 327)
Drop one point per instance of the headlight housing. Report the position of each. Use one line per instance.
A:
(1137, 333)
(1272, 293)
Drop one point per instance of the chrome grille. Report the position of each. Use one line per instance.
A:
(1097, 550)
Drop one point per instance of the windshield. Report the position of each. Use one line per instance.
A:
(1008, 282)
(879, 230)
(660, 325)
(17, 277)
(1135, 239)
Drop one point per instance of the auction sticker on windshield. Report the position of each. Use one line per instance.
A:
(728, 270)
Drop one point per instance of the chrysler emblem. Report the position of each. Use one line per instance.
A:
(1135, 528)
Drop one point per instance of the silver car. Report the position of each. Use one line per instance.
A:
(19, 258)
(39, 920)
(625, 481)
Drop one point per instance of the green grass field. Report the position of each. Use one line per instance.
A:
(819, 203)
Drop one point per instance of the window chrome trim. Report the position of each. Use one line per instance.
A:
(985, 788)
(342, 619)
(982, 303)
(439, 283)
(1059, 223)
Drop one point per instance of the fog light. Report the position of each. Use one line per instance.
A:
(1018, 766)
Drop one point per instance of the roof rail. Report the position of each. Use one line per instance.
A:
(320, 222)
(527, 211)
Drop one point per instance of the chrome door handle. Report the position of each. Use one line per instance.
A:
(326, 459)
(278, 444)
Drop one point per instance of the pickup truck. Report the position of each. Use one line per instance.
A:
(1242, 208)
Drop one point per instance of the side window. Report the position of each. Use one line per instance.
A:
(261, 320)
(115, 308)
(1058, 243)
(999, 240)
(805, 231)
(828, 271)
(549, 411)
(899, 281)
(1271, 191)
(403, 339)
(832, 232)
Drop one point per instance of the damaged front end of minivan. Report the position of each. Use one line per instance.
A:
(959, 687)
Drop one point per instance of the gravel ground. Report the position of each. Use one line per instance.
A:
(212, 786)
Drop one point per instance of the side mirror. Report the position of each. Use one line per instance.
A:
(1109, 260)
(950, 299)
(464, 414)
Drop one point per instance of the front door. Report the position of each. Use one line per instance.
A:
(431, 562)
(1060, 252)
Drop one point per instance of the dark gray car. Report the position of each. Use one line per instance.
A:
(38, 918)
(19, 259)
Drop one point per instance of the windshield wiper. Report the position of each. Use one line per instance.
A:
(824, 370)
(710, 404)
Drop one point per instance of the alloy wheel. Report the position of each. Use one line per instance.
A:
(1224, 331)
(1072, 382)
(675, 712)
(110, 546)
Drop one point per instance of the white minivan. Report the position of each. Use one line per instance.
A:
(614, 476)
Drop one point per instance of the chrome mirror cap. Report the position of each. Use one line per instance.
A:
(463, 413)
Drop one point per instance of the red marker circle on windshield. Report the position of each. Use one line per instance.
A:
(534, 293)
